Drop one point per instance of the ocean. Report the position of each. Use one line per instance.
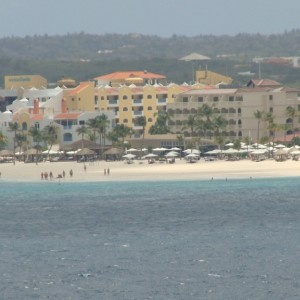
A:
(215, 239)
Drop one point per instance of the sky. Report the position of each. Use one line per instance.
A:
(150, 17)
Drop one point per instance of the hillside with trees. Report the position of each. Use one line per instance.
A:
(84, 56)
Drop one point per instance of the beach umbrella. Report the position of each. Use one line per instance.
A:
(295, 152)
(229, 145)
(32, 151)
(6, 153)
(196, 151)
(129, 156)
(192, 155)
(171, 154)
(231, 151)
(175, 149)
(215, 151)
(113, 151)
(279, 146)
(85, 151)
(160, 149)
(150, 155)
(132, 150)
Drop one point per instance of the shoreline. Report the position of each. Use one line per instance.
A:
(142, 171)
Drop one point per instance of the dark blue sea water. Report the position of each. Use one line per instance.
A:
(238, 239)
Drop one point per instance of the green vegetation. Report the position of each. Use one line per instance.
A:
(85, 56)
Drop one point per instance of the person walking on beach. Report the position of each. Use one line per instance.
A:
(84, 167)
(71, 173)
(64, 174)
(108, 171)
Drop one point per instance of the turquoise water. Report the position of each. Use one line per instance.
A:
(235, 239)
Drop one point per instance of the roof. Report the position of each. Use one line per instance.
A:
(263, 83)
(79, 88)
(130, 74)
(67, 116)
(210, 92)
(38, 117)
(194, 56)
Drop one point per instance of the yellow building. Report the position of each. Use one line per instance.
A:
(212, 78)
(130, 102)
(81, 98)
(129, 77)
(25, 81)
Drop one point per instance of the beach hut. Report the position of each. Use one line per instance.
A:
(85, 154)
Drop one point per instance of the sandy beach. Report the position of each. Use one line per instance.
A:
(141, 170)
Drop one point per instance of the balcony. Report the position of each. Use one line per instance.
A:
(137, 102)
(161, 101)
(113, 103)
(137, 113)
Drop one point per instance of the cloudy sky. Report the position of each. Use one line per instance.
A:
(154, 17)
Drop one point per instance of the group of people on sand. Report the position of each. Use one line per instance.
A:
(46, 175)
(106, 171)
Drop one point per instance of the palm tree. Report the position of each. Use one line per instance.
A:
(37, 137)
(3, 140)
(82, 130)
(219, 123)
(14, 127)
(191, 123)
(291, 113)
(285, 127)
(50, 135)
(259, 116)
(103, 123)
(141, 121)
(121, 131)
(93, 125)
(161, 124)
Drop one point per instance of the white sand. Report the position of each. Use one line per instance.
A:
(141, 170)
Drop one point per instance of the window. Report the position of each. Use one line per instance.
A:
(185, 99)
(271, 109)
(67, 137)
(200, 99)
(125, 97)
(149, 107)
(231, 98)
(125, 109)
(149, 97)
(102, 97)
(81, 122)
(96, 100)
(125, 121)
(150, 120)
(24, 126)
(215, 98)
(37, 125)
(270, 97)
(239, 110)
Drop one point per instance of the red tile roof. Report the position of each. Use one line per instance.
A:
(67, 116)
(79, 88)
(263, 82)
(128, 74)
(36, 117)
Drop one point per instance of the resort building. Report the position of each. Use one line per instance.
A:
(129, 77)
(129, 102)
(25, 82)
(238, 107)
